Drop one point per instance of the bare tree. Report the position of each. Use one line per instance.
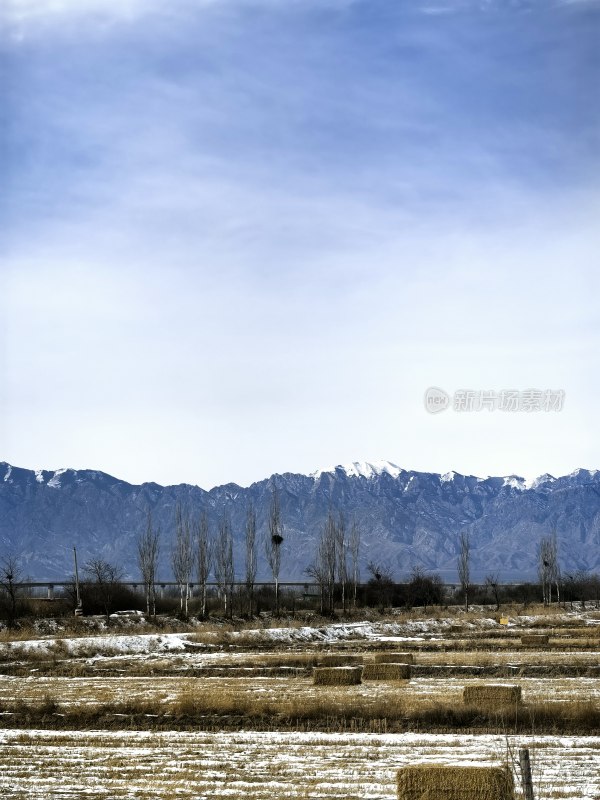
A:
(548, 567)
(224, 570)
(148, 546)
(10, 577)
(354, 546)
(381, 582)
(273, 542)
(322, 569)
(250, 555)
(555, 573)
(328, 556)
(544, 569)
(316, 571)
(182, 558)
(464, 565)
(341, 547)
(204, 555)
(106, 581)
(492, 581)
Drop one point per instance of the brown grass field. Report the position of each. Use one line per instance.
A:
(192, 712)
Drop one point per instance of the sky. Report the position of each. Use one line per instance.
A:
(240, 237)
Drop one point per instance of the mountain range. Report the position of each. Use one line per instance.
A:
(407, 519)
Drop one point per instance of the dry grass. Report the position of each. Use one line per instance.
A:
(432, 782)
(238, 687)
(535, 639)
(192, 704)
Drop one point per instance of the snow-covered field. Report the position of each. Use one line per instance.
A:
(69, 692)
(38, 765)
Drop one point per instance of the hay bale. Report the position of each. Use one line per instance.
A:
(337, 676)
(429, 781)
(535, 639)
(386, 672)
(338, 660)
(492, 695)
(394, 658)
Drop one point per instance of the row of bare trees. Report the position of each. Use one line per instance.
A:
(548, 569)
(195, 554)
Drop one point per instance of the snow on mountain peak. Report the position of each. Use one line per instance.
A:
(583, 473)
(39, 476)
(448, 476)
(545, 478)
(515, 482)
(54, 482)
(363, 469)
(8, 471)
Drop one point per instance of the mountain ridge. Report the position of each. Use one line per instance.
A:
(408, 518)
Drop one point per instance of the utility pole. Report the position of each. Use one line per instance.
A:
(78, 607)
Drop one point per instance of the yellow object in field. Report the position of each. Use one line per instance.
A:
(503, 620)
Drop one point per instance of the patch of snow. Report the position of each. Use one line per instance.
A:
(127, 614)
(39, 476)
(363, 469)
(99, 645)
(515, 482)
(577, 472)
(54, 482)
(7, 476)
(546, 478)
(448, 476)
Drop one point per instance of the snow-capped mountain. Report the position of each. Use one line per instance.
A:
(407, 518)
(362, 469)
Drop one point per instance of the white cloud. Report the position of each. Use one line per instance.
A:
(30, 10)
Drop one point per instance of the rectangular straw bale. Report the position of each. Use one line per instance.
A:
(535, 639)
(386, 672)
(337, 676)
(491, 695)
(338, 660)
(434, 782)
(394, 658)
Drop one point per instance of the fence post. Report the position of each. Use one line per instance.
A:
(526, 773)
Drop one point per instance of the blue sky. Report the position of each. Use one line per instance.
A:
(244, 236)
